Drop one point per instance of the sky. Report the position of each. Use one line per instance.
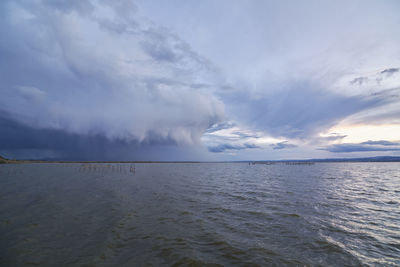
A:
(199, 80)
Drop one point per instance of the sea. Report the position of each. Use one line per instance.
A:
(200, 214)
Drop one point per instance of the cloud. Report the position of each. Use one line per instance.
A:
(390, 71)
(299, 109)
(220, 126)
(93, 68)
(83, 7)
(329, 138)
(381, 142)
(105, 73)
(364, 147)
(377, 77)
(228, 136)
(30, 93)
(284, 82)
(229, 147)
(282, 145)
(246, 135)
(359, 80)
(20, 141)
(229, 131)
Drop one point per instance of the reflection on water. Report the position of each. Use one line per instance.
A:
(197, 214)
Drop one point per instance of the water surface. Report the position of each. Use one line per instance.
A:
(326, 214)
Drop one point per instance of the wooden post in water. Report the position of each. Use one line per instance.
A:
(132, 168)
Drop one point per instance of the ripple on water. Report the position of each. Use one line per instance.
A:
(200, 215)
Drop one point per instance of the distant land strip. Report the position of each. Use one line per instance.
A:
(267, 162)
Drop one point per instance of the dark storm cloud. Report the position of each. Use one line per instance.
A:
(364, 147)
(72, 68)
(282, 145)
(229, 147)
(21, 141)
(17, 138)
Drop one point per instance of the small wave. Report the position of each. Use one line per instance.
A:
(288, 215)
(187, 261)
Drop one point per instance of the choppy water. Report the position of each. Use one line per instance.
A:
(327, 214)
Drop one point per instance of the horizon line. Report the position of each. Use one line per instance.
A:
(313, 160)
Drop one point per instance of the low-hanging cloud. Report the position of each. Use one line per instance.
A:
(18, 140)
(228, 147)
(367, 146)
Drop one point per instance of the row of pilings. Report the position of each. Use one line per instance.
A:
(107, 168)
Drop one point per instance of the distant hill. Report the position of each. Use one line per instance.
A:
(370, 159)
(2, 160)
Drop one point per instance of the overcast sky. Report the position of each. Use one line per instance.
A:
(199, 80)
